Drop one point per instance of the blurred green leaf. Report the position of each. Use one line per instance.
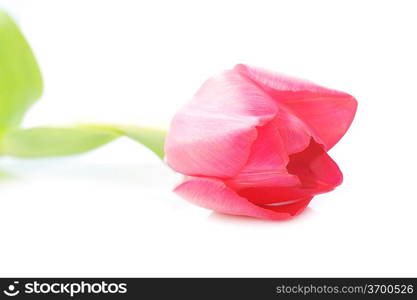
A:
(58, 141)
(21, 86)
(20, 77)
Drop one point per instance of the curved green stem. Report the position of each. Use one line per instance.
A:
(60, 141)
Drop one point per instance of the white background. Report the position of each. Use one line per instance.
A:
(111, 212)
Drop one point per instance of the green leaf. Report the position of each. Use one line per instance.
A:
(20, 77)
(21, 85)
(58, 141)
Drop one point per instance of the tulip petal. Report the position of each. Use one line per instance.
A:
(317, 173)
(271, 195)
(215, 195)
(315, 168)
(328, 113)
(266, 165)
(267, 151)
(295, 135)
(213, 134)
(294, 207)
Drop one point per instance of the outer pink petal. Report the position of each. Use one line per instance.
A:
(327, 112)
(215, 195)
(213, 134)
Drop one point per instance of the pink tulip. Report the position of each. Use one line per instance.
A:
(254, 143)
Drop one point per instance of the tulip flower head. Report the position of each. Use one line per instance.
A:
(254, 143)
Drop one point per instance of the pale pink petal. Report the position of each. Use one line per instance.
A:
(328, 113)
(215, 195)
(213, 134)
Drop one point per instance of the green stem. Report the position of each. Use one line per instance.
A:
(60, 141)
